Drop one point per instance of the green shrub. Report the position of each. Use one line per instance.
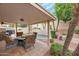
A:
(69, 53)
(22, 25)
(77, 31)
(56, 50)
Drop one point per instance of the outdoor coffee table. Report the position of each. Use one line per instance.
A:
(20, 41)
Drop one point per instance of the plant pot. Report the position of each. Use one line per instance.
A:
(53, 34)
(51, 40)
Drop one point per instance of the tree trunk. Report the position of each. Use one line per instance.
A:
(54, 25)
(76, 52)
(57, 25)
(72, 25)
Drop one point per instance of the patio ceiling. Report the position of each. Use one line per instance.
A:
(29, 13)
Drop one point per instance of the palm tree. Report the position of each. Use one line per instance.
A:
(76, 52)
(72, 25)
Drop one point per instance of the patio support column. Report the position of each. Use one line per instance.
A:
(29, 28)
(16, 29)
(48, 25)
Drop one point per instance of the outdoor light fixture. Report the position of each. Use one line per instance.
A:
(2, 22)
(22, 19)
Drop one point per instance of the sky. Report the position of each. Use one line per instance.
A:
(49, 7)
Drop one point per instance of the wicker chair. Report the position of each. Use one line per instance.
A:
(19, 33)
(30, 40)
(9, 41)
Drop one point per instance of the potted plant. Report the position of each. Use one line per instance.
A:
(53, 34)
(51, 40)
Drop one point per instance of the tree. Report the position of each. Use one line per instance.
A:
(63, 12)
(72, 25)
(22, 25)
(76, 52)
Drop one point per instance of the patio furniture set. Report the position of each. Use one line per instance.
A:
(25, 41)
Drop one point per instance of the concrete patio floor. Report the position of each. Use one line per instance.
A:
(40, 49)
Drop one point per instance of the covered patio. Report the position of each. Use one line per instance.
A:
(30, 14)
